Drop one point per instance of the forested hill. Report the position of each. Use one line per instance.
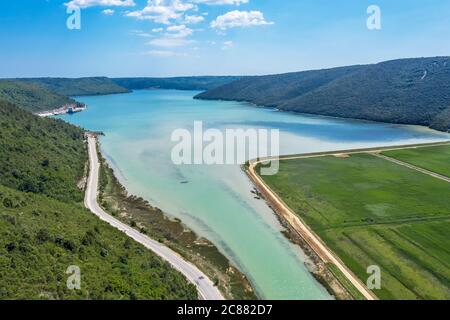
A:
(44, 94)
(272, 90)
(409, 91)
(45, 156)
(31, 96)
(78, 86)
(178, 83)
(44, 227)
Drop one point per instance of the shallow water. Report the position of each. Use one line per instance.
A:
(217, 201)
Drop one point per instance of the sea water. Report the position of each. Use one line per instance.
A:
(216, 201)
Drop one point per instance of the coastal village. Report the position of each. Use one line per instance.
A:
(65, 109)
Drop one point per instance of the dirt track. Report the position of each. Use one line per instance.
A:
(313, 240)
(307, 234)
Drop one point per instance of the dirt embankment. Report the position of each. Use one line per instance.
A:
(139, 214)
(319, 254)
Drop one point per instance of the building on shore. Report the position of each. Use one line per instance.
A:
(65, 109)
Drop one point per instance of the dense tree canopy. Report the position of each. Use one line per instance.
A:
(44, 94)
(78, 86)
(179, 83)
(31, 96)
(44, 227)
(410, 91)
(45, 156)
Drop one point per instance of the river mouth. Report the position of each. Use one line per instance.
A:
(216, 201)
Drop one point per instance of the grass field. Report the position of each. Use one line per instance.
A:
(436, 159)
(370, 211)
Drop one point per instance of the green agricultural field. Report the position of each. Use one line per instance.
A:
(436, 159)
(373, 212)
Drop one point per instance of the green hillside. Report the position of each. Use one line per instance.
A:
(41, 237)
(44, 227)
(273, 90)
(78, 86)
(178, 83)
(45, 156)
(44, 94)
(31, 96)
(409, 91)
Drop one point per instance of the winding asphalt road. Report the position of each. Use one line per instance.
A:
(205, 286)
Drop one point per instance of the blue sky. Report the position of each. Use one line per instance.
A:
(213, 37)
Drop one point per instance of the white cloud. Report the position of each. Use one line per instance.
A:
(141, 33)
(193, 19)
(99, 3)
(221, 2)
(158, 30)
(175, 36)
(227, 45)
(164, 53)
(108, 12)
(162, 11)
(237, 19)
(170, 42)
(180, 31)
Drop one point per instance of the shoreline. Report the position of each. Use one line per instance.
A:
(206, 288)
(318, 266)
(66, 109)
(301, 234)
(140, 215)
(277, 109)
(353, 150)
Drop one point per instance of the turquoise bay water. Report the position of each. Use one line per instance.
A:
(217, 201)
